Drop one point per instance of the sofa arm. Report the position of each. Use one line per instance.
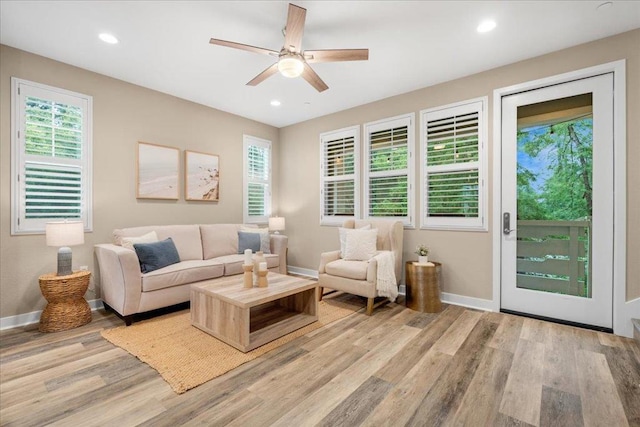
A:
(120, 278)
(326, 258)
(372, 271)
(278, 245)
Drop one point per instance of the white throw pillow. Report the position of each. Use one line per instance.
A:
(128, 242)
(342, 232)
(360, 245)
(265, 238)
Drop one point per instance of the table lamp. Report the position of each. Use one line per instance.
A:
(64, 234)
(276, 224)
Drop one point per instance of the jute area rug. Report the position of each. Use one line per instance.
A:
(187, 357)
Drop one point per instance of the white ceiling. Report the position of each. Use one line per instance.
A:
(412, 44)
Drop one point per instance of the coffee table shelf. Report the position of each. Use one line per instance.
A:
(248, 318)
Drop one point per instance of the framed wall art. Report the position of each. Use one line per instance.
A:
(158, 170)
(201, 176)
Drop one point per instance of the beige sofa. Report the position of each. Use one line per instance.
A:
(206, 252)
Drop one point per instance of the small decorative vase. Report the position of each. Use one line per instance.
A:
(262, 279)
(423, 259)
(248, 275)
(257, 259)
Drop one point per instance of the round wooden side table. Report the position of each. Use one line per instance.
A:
(423, 286)
(66, 307)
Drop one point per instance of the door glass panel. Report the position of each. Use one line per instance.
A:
(554, 191)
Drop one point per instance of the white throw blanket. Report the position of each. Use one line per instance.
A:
(386, 280)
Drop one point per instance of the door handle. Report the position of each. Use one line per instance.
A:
(506, 223)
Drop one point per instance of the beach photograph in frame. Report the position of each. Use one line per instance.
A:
(201, 176)
(158, 170)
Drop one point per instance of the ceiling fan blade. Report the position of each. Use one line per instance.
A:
(314, 80)
(336, 55)
(243, 47)
(294, 28)
(264, 75)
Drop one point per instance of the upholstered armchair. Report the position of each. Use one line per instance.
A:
(359, 277)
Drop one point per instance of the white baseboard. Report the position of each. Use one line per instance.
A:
(302, 271)
(464, 301)
(455, 299)
(34, 316)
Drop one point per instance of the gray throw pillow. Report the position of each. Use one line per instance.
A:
(248, 240)
(153, 256)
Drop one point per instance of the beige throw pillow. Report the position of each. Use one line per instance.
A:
(128, 242)
(342, 232)
(360, 245)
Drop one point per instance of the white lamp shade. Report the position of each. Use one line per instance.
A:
(64, 233)
(276, 223)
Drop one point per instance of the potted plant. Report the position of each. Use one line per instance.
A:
(422, 252)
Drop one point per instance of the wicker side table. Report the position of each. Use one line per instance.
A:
(66, 307)
(423, 286)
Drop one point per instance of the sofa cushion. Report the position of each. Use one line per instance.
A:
(127, 242)
(233, 263)
(248, 241)
(186, 238)
(219, 239)
(182, 273)
(153, 256)
(356, 270)
(265, 238)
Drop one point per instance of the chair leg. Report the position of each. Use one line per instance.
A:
(370, 306)
(320, 292)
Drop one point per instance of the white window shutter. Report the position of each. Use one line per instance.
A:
(51, 139)
(257, 180)
(389, 169)
(339, 192)
(453, 164)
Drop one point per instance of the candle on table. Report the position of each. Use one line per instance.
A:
(262, 266)
(247, 256)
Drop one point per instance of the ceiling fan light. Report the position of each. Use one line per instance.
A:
(290, 66)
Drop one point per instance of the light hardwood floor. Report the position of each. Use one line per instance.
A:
(397, 367)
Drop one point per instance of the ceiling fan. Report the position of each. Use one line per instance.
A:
(292, 60)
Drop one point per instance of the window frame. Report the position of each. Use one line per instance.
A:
(248, 140)
(379, 125)
(20, 89)
(479, 223)
(325, 138)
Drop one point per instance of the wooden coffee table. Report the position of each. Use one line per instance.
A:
(247, 318)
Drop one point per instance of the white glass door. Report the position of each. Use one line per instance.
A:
(557, 202)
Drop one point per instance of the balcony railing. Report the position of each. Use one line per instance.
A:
(554, 256)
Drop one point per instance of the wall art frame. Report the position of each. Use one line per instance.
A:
(157, 172)
(201, 176)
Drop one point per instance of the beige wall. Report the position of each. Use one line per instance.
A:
(123, 114)
(467, 256)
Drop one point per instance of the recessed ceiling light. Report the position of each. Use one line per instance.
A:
(486, 26)
(604, 6)
(108, 38)
(276, 103)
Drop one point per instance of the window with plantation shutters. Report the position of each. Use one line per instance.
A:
(257, 180)
(453, 166)
(51, 166)
(340, 175)
(389, 169)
